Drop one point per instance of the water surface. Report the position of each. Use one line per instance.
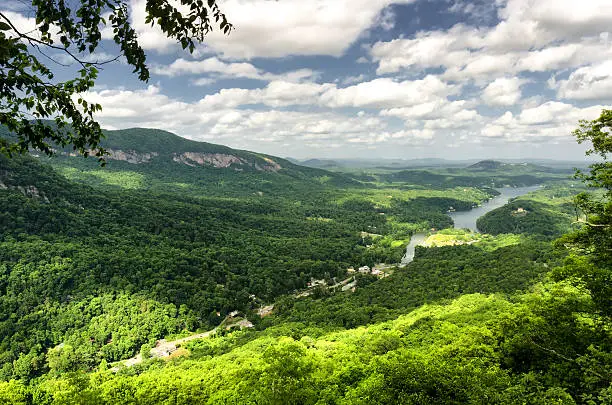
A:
(467, 219)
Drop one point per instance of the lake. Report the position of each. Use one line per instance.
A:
(467, 219)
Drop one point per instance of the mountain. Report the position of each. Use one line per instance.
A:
(487, 165)
(516, 167)
(321, 163)
(381, 163)
(157, 160)
(144, 145)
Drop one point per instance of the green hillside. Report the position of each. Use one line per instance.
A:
(189, 259)
(156, 160)
(159, 279)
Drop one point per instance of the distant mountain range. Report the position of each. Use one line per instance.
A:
(401, 164)
(137, 146)
(488, 165)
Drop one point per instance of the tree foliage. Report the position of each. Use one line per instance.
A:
(29, 92)
(591, 262)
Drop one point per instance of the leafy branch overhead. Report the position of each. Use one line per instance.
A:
(29, 95)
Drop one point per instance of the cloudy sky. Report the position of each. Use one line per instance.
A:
(376, 78)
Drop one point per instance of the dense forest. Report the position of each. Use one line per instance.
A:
(174, 237)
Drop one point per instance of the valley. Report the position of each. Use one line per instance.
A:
(345, 202)
(187, 272)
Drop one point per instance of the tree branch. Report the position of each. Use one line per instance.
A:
(551, 351)
(585, 222)
(35, 42)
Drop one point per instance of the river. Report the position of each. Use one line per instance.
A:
(467, 219)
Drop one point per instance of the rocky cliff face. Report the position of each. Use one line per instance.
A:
(218, 160)
(221, 160)
(131, 156)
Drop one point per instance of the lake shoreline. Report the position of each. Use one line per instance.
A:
(467, 219)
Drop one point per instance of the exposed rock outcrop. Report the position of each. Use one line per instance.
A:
(222, 160)
(219, 160)
(131, 156)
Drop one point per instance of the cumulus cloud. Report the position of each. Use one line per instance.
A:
(427, 50)
(277, 29)
(224, 123)
(440, 114)
(588, 83)
(532, 36)
(541, 123)
(503, 92)
(436, 85)
(353, 79)
(275, 94)
(378, 93)
(388, 93)
(219, 68)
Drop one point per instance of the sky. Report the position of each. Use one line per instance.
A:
(453, 79)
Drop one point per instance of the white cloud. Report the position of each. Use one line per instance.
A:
(275, 94)
(203, 81)
(218, 118)
(438, 87)
(503, 92)
(545, 113)
(387, 93)
(550, 120)
(438, 114)
(280, 28)
(567, 18)
(25, 24)
(378, 93)
(550, 58)
(588, 83)
(210, 65)
(21, 22)
(222, 69)
(533, 35)
(427, 50)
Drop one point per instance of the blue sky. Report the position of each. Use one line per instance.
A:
(406, 79)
